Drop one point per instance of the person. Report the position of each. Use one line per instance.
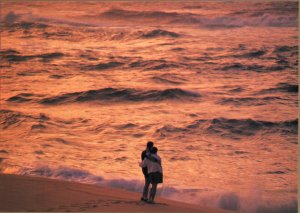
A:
(154, 169)
(145, 171)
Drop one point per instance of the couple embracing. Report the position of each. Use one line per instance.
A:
(152, 170)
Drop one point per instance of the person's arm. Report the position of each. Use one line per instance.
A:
(153, 159)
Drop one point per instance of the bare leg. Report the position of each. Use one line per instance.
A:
(146, 188)
(153, 192)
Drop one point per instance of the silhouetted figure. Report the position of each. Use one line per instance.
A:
(145, 171)
(153, 163)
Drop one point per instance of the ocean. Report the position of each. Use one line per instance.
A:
(85, 85)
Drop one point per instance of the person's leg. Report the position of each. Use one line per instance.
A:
(146, 187)
(153, 192)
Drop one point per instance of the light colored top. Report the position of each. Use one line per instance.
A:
(152, 166)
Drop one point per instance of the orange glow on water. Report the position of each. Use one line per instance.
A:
(217, 100)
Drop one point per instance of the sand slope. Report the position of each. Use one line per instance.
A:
(23, 193)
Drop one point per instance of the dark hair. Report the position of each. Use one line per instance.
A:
(150, 144)
(153, 150)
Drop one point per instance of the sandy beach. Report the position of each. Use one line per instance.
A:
(24, 193)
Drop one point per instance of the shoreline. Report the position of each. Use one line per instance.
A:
(27, 193)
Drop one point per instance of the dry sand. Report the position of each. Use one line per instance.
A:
(23, 193)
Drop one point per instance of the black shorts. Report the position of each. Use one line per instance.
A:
(156, 177)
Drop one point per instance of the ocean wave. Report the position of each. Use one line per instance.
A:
(154, 64)
(20, 98)
(254, 54)
(285, 48)
(36, 122)
(143, 16)
(226, 21)
(250, 101)
(159, 33)
(230, 128)
(167, 130)
(15, 56)
(254, 67)
(121, 95)
(24, 25)
(13, 21)
(263, 20)
(11, 17)
(63, 173)
(244, 127)
(281, 87)
(11, 119)
(165, 80)
(8, 52)
(268, 16)
(128, 63)
(57, 34)
(126, 126)
(105, 66)
(127, 35)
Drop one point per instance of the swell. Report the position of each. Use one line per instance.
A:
(113, 95)
(159, 33)
(127, 35)
(53, 29)
(41, 122)
(15, 56)
(12, 119)
(282, 87)
(254, 19)
(245, 127)
(250, 101)
(25, 25)
(142, 16)
(265, 15)
(232, 128)
(254, 67)
(154, 64)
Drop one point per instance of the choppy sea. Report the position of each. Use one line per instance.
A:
(85, 85)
